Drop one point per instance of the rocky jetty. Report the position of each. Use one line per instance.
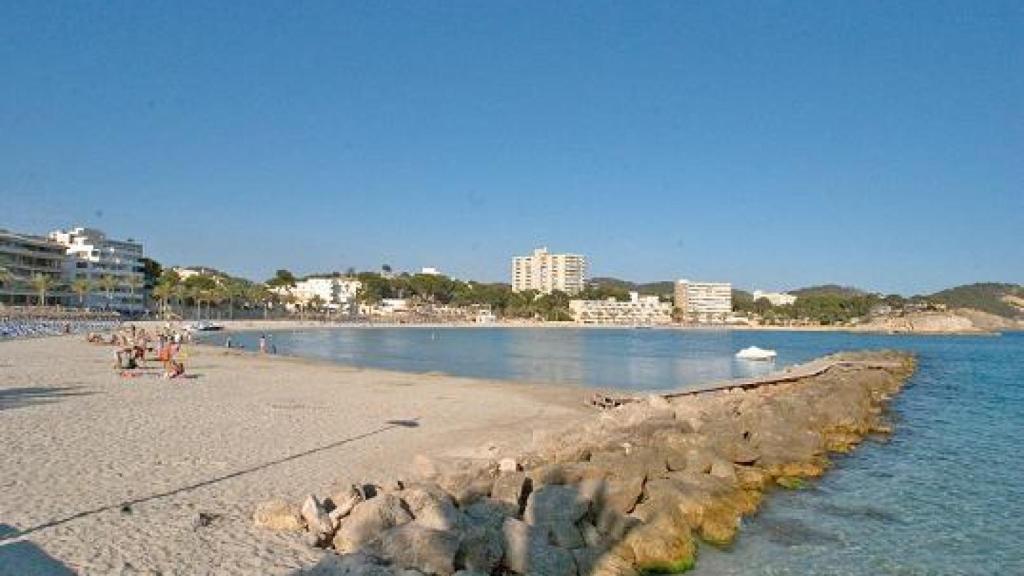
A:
(631, 491)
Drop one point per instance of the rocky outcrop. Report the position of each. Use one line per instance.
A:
(632, 490)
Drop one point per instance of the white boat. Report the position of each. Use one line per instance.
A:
(203, 326)
(755, 353)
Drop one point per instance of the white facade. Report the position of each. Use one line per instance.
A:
(639, 310)
(334, 293)
(93, 256)
(704, 302)
(386, 307)
(547, 272)
(430, 271)
(775, 298)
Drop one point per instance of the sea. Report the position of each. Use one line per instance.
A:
(943, 495)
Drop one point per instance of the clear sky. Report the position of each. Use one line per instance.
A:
(773, 144)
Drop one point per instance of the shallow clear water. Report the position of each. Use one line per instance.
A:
(944, 496)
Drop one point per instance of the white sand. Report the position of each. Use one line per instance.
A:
(71, 457)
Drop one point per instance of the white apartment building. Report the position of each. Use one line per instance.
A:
(704, 302)
(335, 293)
(639, 310)
(775, 298)
(24, 256)
(430, 271)
(547, 272)
(94, 256)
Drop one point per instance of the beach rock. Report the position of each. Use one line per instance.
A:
(432, 508)
(482, 544)
(490, 512)
(278, 515)
(357, 564)
(613, 564)
(723, 469)
(565, 534)
(552, 504)
(527, 552)
(368, 520)
(343, 502)
(511, 488)
(412, 545)
(663, 546)
(586, 560)
(592, 538)
(638, 462)
(565, 473)
(622, 495)
(318, 522)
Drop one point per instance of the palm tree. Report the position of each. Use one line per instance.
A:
(108, 284)
(7, 278)
(42, 283)
(135, 282)
(81, 287)
(163, 292)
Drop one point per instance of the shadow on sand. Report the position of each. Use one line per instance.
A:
(23, 558)
(11, 398)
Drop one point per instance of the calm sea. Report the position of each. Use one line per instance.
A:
(944, 496)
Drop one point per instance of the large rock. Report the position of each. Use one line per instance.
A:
(318, 522)
(565, 534)
(412, 545)
(343, 502)
(431, 507)
(663, 546)
(465, 480)
(511, 488)
(358, 564)
(482, 545)
(527, 552)
(639, 462)
(555, 503)
(278, 515)
(368, 520)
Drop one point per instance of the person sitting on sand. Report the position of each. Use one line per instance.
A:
(125, 359)
(174, 369)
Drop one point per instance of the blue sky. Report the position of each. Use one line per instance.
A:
(773, 144)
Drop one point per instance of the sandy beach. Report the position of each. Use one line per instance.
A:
(79, 442)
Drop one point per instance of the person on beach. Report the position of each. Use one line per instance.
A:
(263, 344)
(174, 369)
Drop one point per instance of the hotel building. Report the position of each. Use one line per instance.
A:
(23, 256)
(334, 293)
(703, 302)
(90, 254)
(547, 272)
(639, 310)
(775, 298)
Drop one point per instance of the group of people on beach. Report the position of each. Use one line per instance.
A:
(133, 344)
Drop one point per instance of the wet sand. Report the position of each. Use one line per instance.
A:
(79, 442)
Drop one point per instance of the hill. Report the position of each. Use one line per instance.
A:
(828, 290)
(995, 298)
(659, 288)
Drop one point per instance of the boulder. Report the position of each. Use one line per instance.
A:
(512, 488)
(343, 503)
(318, 522)
(412, 545)
(663, 546)
(432, 508)
(724, 470)
(368, 520)
(639, 462)
(482, 545)
(490, 512)
(357, 564)
(552, 504)
(278, 515)
(527, 552)
(565, 534)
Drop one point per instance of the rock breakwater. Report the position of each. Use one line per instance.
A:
(632, 490)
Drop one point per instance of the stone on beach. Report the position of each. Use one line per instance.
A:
(318, 522)
(368, 520)
(278, 515)
(412, 545)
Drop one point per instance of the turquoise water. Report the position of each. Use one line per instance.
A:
(944, 496)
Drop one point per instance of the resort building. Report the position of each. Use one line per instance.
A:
(430, 271)
(333, 293)
(775, 298)
(639, 310)
(547, 272)
(92, 256)
(23, 256)
(703, 302)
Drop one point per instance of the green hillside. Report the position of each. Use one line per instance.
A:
(984, 296)
(828, 290)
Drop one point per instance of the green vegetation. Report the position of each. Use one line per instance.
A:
(791, 482)
(987, 297)
(829, 290)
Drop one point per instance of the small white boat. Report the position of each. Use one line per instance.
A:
(203, 326)
(755, 353)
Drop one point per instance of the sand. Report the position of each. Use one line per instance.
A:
(78, 442)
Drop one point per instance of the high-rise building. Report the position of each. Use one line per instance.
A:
(95, 257)
(704, 302)
(23, 256)
(547, 272)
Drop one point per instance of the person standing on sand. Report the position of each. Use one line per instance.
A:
(263, 344)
